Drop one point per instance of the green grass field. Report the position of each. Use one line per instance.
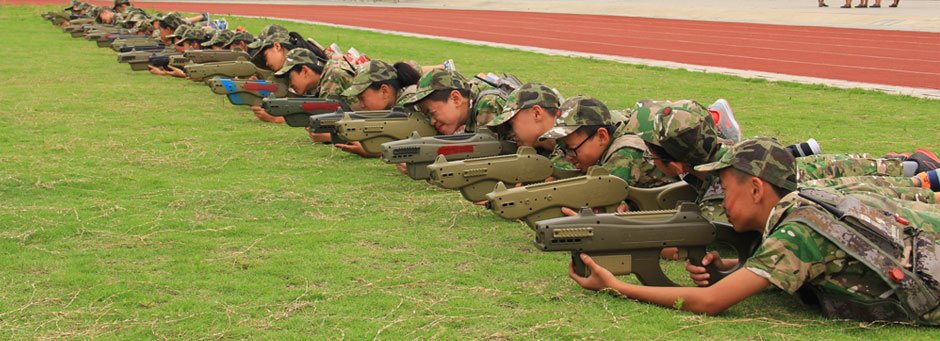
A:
(134, 206)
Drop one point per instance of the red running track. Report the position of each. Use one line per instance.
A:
(899, 58)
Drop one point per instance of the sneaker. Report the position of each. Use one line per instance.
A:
(205, 16)
(925, 160)
(449, 65)
(726, 122)
(219, 24)
(930, 179)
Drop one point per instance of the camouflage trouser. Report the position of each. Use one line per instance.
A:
(831, 166)
(919, 214)
(900, 188)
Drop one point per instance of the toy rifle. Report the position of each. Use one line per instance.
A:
(160, 60)
(105, 39)
(77, 27)
(418, 152)
(298, 111)
(326, 123)
(151, 47)
(597, 189)
(215, 56)
(372, 133)
(247, 92)
(230, 69)
(474, 178)
(130, 40)
(630, 242)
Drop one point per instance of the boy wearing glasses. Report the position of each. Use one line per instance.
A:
(589, 135)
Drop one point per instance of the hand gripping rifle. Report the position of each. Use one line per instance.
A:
(476, 177)
(631, 242)
(372, 133)
(418, 152)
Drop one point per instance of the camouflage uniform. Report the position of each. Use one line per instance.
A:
(333, 80)
(689, 135)
(807, 248)
(484, 105)
(625, 156)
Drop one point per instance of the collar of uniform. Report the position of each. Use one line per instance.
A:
(780, 211)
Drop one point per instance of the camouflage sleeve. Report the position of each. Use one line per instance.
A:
(334, 82)
(790, 256)
(487, 108)
(831, 166)
(638, 171)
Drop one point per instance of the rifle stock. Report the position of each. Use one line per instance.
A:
(597, 189)
(626, 243)
(297, 112)
(230, 69)
(476, 177)
(372, 133)
(246, 92)
(418, 152)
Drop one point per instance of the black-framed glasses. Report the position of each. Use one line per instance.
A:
(573, 153)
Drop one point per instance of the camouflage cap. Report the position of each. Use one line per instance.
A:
(72, 5)
(370, 72)
(240, 36)
(193, 33)
(83, 6)
(121, 2)
(578, 111)
(437, 79)
(179, 32)
(642, 116)
(762, 157)
(526, 96)
(219, 37)
(269, 35)
(171, 20)
(298, 56)
(687, 132)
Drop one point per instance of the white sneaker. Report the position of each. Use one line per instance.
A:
(449, 65)
(726, 122)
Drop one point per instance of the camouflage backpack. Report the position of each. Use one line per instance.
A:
(906, 258)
